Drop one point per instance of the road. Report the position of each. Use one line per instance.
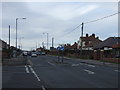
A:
(45, 72)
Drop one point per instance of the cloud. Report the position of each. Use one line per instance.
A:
(62, 11)
(57, 19)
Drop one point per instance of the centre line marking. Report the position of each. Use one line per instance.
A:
(89, 72)
(43, 87)
(27, 70)
(34, 73)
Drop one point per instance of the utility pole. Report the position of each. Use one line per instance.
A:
(9, 42)
(52, 42)
(81, 37)
(82, 29)
(43, 45)
(16, 32)
(47, 40)
(9, 36)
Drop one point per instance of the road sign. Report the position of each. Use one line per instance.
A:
(60, 48)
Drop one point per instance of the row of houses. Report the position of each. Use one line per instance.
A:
(6, 50)
(108, 48)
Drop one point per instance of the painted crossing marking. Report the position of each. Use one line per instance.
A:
(51, 64)
(89, 72)
(34, 73)
(90, 65)
(75, 64)
(27, 70)
(43, 87)
(81, 63)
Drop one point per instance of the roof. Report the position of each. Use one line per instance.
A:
(90, 38)
(109, 42)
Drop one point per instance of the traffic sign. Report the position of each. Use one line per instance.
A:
(60, 48)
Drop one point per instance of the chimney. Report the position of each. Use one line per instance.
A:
(93, 35)
(87, 35)
(97, 37)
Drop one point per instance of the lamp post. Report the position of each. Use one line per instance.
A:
(16, 29)
(47, 39)
(20, 43)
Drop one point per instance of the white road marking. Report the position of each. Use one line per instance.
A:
(34, 73)
(89, 72)
(81, 63)
(75, 64)
(117, 70)
(90, 65)
(51, 64)
(43, 87)
(27, 70)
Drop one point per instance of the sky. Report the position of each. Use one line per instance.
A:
(58, 19)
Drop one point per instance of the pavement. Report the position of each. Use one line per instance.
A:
(19, 60)
(90, 61)
(46, 72)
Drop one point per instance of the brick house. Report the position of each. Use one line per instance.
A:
(88, 42)
(107, 48)
(71, 47)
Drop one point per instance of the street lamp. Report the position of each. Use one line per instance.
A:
(16, 29)
(47, 39)
(20, 43)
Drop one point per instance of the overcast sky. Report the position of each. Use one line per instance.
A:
(58, 19)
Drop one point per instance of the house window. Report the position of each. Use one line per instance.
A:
(83, 43)
(90, 41)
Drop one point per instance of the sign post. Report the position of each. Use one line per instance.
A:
(60, 49)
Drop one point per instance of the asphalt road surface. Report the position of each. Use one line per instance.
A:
(46, 72)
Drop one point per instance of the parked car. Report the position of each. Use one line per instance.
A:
(43, 53)
(29, 53)
(24, 53)
(33, 55)
(38, 53)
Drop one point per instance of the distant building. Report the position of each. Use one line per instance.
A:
(3, 45)
(108, 43)
(109, 48)
(74, 46)
(67, 46)
(88, 42)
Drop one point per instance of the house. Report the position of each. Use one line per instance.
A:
(67, 46)
(74, 46)
(107, 48)
(88, 42)
(3, 45)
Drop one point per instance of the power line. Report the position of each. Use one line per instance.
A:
(91, 22)
(102, 18)
(71, 31)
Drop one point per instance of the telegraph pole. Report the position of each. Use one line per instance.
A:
(52, 42)
(82, 29)
(16, 32)
(81, 37)
(9, 36)
(47, 40)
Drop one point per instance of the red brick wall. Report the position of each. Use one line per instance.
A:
(116, 60)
